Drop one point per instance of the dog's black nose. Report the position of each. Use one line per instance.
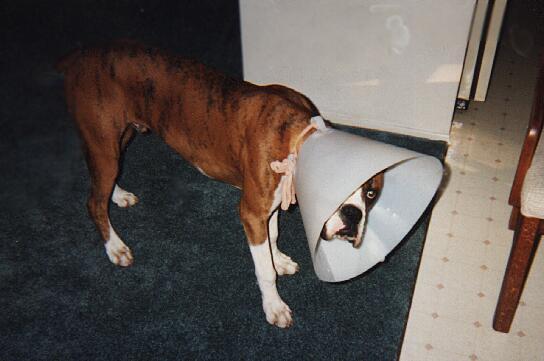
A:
(351, 214)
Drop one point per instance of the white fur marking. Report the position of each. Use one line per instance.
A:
(277, 195)
(334, 224)
(276, 311)
(123, 198)
(117, 250)
(201, 171)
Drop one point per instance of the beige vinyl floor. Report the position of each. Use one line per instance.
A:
(468, 242)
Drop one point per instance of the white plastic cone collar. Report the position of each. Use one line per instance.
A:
(331, 165)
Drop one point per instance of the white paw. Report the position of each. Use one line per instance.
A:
(118, 252)
(123, 198)
(284, 264)
(278, 313)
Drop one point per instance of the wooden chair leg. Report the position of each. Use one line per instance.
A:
(521, 256)
(514, 218)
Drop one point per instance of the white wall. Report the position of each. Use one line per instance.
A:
(390, 65)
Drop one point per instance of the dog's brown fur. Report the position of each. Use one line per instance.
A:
(230, 129)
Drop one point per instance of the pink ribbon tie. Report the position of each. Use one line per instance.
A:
(287, 168)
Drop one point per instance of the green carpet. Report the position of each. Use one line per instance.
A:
(191, 293)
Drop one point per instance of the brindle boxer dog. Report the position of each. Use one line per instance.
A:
(228, 129)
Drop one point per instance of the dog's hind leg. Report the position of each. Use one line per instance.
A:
(103, 151)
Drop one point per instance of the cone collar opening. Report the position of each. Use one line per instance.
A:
(331, 166)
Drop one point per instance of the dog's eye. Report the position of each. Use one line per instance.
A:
(371, 194)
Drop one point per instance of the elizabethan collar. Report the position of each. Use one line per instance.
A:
(332, 165)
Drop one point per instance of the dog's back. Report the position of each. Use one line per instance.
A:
(109, 89)
(140, 78)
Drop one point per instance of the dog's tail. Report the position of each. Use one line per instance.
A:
(67, 60)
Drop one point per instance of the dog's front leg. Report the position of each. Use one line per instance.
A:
(283, 264)
(255, 226)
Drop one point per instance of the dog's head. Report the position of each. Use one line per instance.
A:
(348, 222)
